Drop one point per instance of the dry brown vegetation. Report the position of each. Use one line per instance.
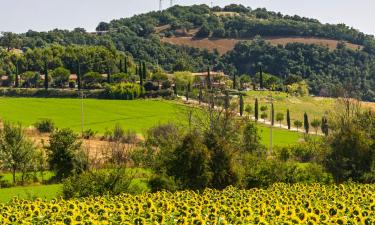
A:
(225, 44)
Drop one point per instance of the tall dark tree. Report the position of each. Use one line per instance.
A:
(140, 74)
(256, 110)
(324, 125)
(108, 74)
(241, 104)
(126, 65)
(234, 81)
(175, 89)
(79, 78)
(46, 78)
(17, 82)
(226, 100)
(260, 77)
(288, 118)
(188, 91)
(272, 115)
(200, 95)
(209, 85)
(306, 123)
(121, 67)
(144, 70)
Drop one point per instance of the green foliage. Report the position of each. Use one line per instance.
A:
(191, 163)
(316, 124)
(250, 138)
(92, 80)
(126, 91)
(280, 117)
(162, 183)
(60, 77)
(203, 32)
(45, 126)
(65, 154)
(17, 153)
(306, 123)
(298, 124)
(96, 183)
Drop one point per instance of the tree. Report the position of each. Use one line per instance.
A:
(261, 77)
(256, 110)
(288, 118)
(103, 26)
(140, 74)
(249, 110)
(126, 65)
(65, 153)
(297, 124)
(16, 151)
(10, 40)
(191, 164)
(46, 82)
(279, 118)
(324, 126)
(241, 105)
(144, 70)
(203, 32)
(264, 116)
(306, 123)
(60, 76)
(79, 76)
(316, 124)
(250, 138)
(209, 85)
(234, 81)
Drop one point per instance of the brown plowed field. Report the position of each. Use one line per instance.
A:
(225, 45)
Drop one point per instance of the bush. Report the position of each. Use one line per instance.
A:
(96, 183)
(65, 154)
(161, 183)
(126, 91)
(89, 133)
(45, 126)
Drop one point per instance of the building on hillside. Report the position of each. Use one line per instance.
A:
(218, 79)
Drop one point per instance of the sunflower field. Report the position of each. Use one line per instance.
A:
(279, 204)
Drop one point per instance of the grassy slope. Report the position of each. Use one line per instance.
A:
(315, 107)
(137, 115)
(30, 192)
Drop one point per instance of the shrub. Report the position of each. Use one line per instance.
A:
(45, 126)
(161, 183)
(96, 183)
(126, 91)
(89, 133)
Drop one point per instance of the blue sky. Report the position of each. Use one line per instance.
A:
(41, 15)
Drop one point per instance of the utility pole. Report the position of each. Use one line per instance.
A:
(271, 136)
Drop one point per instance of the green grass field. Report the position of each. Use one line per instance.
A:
(137, 115)
(30, 192)
(315, 107)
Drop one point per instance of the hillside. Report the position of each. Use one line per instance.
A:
(293, 45)
(224, 45)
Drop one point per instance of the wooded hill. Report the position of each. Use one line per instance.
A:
(328, 72)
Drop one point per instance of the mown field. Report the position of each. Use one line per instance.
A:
(280, 203)
(99, 115)
(315, 107)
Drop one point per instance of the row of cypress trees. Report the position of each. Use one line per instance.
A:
(323, 124)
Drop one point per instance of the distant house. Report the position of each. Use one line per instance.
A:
(218, 79)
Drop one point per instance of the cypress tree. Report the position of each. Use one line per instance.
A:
(241, 104)
(46, 76)
(144, 70)
(126, 65)
(16, 84)
(288, 118)
(200, 96)
(140, 73)
(208, 78)
(324, 125)
(187, 91)
(272, 115)
(79, 75)
(306, 123)
(226, 100)
(120, 66)
(108, 74)
(256, 110)
(260, 77)
(175, 89)
(234, 81)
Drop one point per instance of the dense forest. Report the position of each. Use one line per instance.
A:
(328, 73)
